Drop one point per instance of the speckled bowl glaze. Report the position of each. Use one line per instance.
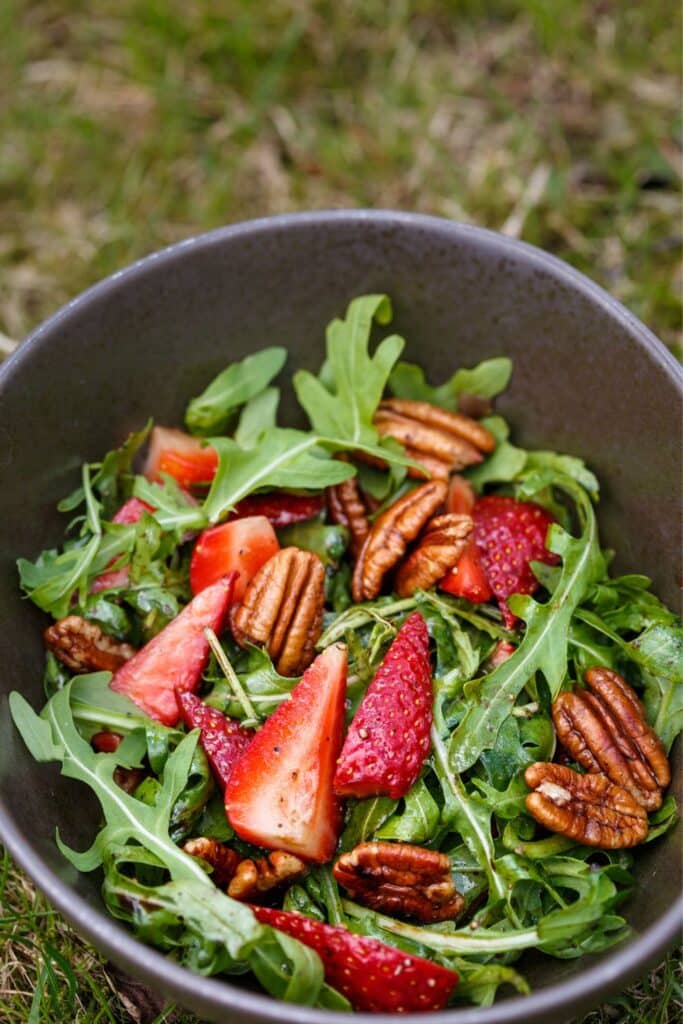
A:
(589, 379)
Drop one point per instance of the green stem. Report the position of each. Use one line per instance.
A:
(360, 616)
(458, 942)
(232, 678)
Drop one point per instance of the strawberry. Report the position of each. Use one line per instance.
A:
(183, 457)
(509, 534)
(241, 546)
(468, 579)
(130, 512)
(279, 508)
(500, 653)
(388, 739)
(280, 792)
(174, 659)
(373, 976)
(223, 740)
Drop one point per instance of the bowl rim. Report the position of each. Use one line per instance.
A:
(620, 965)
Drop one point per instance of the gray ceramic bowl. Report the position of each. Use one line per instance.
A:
(589, 379)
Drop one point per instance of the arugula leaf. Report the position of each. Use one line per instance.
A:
(418, 820)
(328, 542)
(173, 507)
(284, 458)
(51, 580)
(265, 688)
(544, 645)
(365, 817)
(257, 416)
(210, 412)
(341, 402)
(111, 476)
(486, 380)
(568, 465)
(505, 463)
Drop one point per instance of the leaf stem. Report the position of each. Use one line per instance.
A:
(231, 676)
(359, 616)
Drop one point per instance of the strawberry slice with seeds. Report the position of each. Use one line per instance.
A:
(373, 976)
(280, 792)
(509, 534)
(223, 740)
(388, 739)
(174, 659)
(467, 578)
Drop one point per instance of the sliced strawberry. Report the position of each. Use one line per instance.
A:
(500, 653)
(280, 792)
(509, 534)
(279, 508)
(468, 578)
(183, 457)
(388, 739)
(241, 546)
(130, 512)
(373, 976)
(175, 658)
(223, 740)
(461, 496)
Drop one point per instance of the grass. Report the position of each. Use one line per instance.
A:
(130, 124)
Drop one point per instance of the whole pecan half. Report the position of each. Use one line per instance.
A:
(587, 808)
(604, 729)
(439, 547)
(254, 878)
(222, 858)
(390, 535)
(346, 507)
(398, 878)
(82, 646)
(442, 441)
(282, 609)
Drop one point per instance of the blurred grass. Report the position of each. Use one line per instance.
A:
(129, 124)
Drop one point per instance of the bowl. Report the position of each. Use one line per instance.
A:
(589, 379)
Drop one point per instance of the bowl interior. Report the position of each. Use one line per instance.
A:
(588, 380)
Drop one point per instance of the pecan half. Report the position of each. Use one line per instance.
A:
(345, 507)
(390, 535)
(442, 441)
(82, 646)
(604, 729)
(398, 878)
(254, 878)
(587, 808)
(222, 859)
(439, 547)
(282, 609)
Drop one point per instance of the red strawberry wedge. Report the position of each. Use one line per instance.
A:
(388, 739)
(223, 740)
(279, 508)
(509, 534)
(175, 658)
(373, 976)
(468, 579)
(280, 792)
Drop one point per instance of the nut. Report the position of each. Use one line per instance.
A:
(82, 646)
(282, 609)
(390, 535)
(398, 878)
(587, 808)
(346, 508)
(254, 878)
(439, 547)
(605, 730)
(442, 441)
(220, 857)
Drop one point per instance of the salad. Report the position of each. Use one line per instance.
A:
(364, 710)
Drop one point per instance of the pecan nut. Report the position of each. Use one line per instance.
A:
(282, 609)
(390, 535)
(442, 441)
(604, 729)
(439, 547)
(398, 878)
(345, 507)
(254, 878)
(82, 646)
(587, 808)
(222, 859)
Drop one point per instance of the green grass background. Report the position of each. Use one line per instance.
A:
(126, 125)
